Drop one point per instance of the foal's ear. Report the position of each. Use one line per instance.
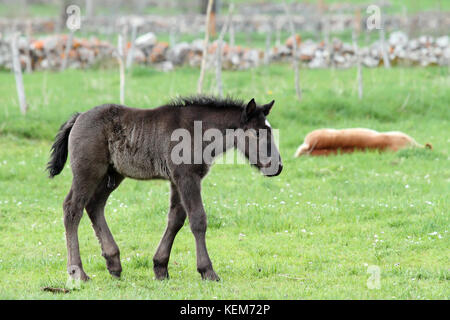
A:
(248, 110)
(268, 107)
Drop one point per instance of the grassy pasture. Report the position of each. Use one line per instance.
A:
(310, 233)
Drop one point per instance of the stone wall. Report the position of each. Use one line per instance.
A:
(421, 23)
(47, 53)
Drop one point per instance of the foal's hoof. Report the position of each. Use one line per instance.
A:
(210, 275)
(161, 273)
(85, 277)
(115, 274)
(77, 273)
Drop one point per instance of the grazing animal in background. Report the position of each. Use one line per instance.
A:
(331, 141)
(111, 142)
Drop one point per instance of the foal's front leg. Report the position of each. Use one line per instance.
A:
(177, 216)
(190, 193)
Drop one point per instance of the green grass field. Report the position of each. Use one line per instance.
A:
(310, 233)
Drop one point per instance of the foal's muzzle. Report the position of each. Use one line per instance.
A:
(272, 169)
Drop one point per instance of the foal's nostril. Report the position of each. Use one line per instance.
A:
(271, 172)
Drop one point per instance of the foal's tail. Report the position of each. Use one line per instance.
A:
(60, 147)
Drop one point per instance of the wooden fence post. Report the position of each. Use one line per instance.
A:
(120, 59)
(89, 9)
(173, 35)
(386, 62)
(358, 65)
(17, 68)
(130, 55)
(268, 44)
(219, 51)
(355, 35)
(231, 38)
(294, 53)
(205, 48)
(67, 50)
(29, 67)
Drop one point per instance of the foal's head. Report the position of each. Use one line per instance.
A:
(257, 143)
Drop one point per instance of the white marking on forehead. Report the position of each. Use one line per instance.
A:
(268, 124)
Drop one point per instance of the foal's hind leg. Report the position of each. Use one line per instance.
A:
(80, 192)
(176, 218)
(96, 212)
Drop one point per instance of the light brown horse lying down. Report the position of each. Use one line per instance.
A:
(329, 141)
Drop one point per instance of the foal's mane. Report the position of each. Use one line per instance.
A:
(207, 101)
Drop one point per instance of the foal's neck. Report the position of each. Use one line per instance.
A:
(223, 119)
